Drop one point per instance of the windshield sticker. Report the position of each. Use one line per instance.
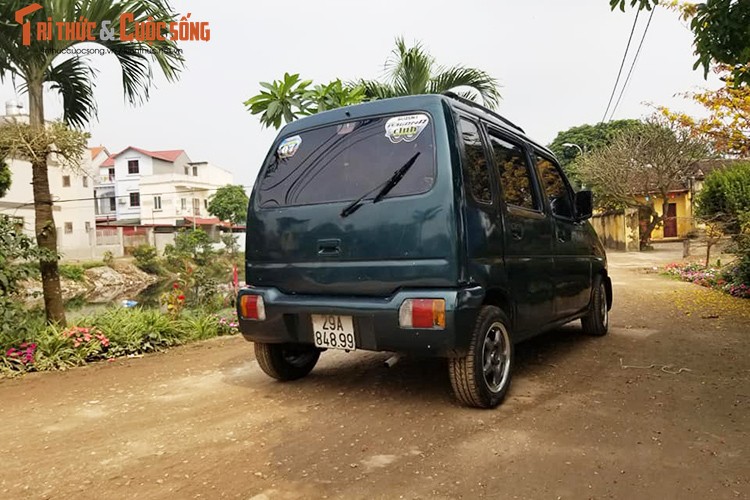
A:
(289, 147)
(405, 128)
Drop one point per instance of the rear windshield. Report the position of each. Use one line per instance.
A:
(342, 162)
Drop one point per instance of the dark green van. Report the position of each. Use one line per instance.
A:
(423, 225)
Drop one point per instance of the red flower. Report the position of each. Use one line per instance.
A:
(180, 298)
(176, 286)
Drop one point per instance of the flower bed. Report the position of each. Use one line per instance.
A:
(711, 277)
(108, 335)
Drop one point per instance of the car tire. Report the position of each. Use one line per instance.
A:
(596, 322)
(481, 379)
(286, 361)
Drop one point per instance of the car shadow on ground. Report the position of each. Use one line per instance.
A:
(412, 379)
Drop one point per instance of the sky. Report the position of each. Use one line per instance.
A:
(556, 62)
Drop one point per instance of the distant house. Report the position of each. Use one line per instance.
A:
(151, 194)
(72, 188)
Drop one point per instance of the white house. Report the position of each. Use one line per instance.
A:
(158, 190)
(72, 188)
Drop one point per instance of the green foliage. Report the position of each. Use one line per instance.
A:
(291, 97)
(589, 138)
(412, 70)
(16, 252)
(229, 203)
(720, 32)
(189, 245)
(108, 259)
(726, 194)
(107, 335)
(72, 272)
(5, 178)
(147, 259)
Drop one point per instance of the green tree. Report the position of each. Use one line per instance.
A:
(40, 63)
(229, 203)
(412, 70)
(409, 71)
(291, 97)
(720, 30)
(589, 138)
(5, 178)
(725, 200)
(641, 167)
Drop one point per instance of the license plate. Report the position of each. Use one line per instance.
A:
(333, 332)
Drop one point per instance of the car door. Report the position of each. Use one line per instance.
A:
(571, 247)
(527, 233)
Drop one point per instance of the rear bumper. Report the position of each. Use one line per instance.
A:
(375, 320)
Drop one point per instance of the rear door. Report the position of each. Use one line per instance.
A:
(301, 240)
(572, 244)
(528, 233)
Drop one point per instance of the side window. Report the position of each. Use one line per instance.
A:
(514, 174)
(476, 169)
(554, 186)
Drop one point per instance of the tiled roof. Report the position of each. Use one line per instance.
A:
(169, 155)
(96, 151)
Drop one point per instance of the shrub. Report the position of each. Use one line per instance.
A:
(108, 259)
(711, 277)
(147, 259)
(72, 272)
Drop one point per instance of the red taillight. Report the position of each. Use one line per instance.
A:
(252, 307)
(422, 313)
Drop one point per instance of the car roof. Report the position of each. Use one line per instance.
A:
(408, 103)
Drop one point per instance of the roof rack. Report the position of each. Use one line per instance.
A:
(473, 104)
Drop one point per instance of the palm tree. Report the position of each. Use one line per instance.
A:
(41, 63)
(412, 70)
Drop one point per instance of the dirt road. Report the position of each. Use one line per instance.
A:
(660, 408)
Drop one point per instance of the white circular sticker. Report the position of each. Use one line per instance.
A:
(289, 146)
(405, 128)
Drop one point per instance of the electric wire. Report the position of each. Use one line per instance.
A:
(622, 65)
(637, 52)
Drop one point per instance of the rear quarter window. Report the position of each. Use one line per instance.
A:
(342, 162)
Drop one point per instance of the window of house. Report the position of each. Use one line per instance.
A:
(476, 169)
(183, 203)
(133, 167)
(196, 206)
(205, 204)
(111, 173)
(85, 181)
(88, 226)
(558, 194)
(112, 205)
(157, 202)
(187, 170)
(68, 227)
(135, 199)
(66, 181)
(195, 171)
(514, 173)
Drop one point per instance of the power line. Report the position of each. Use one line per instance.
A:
(622, 64)
(637, 52)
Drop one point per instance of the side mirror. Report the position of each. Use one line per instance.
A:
(584, 204)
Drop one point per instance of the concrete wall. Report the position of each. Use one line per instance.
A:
(685, 217)
(618, 230)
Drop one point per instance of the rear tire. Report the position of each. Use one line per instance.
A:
(286, 361)
(596, 322)
(482, 378)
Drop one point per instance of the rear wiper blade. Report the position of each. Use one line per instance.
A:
(383, 189)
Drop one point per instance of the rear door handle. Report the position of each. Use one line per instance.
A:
(516, 230)
(561, 236)
(329, 247)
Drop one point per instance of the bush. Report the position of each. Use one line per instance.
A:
(72, 272)
(711, 277)
(108, 259)
(147, 259)
(107, 335)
